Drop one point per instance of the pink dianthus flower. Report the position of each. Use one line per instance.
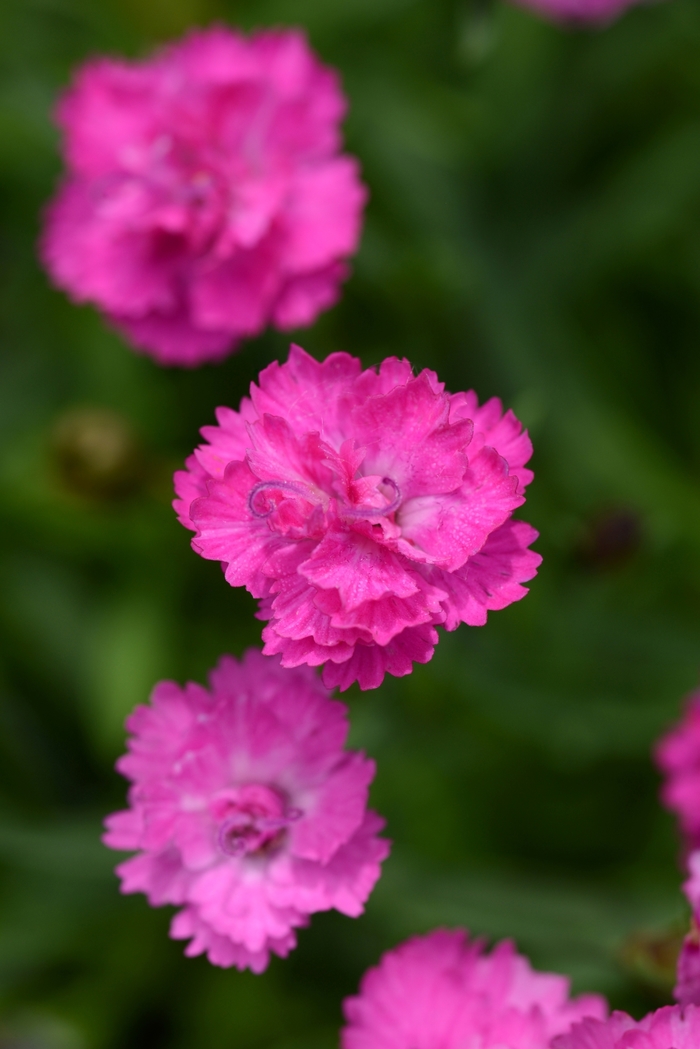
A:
(579, 11)
(205, 193)
(246, 811)
(364, 508)
(687, 989)
(677, 754)
(442, 991)
(670, 1027)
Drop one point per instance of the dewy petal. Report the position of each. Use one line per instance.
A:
(496, 429)
(227, 531)
(408, 438)
(306, 392)
(491, 579)
(369, 663)
(448, 529)
(260, 756)
(358, 569)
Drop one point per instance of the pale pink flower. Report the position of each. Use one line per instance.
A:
(579, 11)
(205, 193)
(442, 991)
(677, 754)
(671, 1027)
(246, 811)
(364, 508)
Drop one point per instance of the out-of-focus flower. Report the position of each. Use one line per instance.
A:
(364, 508)
(677, 754)
(579, 11)
(205, 193)
(687, 989)
(246, 810)
(442, 991)
(671, 1027)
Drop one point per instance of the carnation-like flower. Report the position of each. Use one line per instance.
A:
(364, 508)
(579, 11)
(671, 1027)
(677, 754)
(442, 991)
(687, 989)
(246, 811)
(205, 193)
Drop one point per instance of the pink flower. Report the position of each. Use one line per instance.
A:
(246, 810)
(442, 991)
(579, 11)
(205, 195)
(364, 508)
(677, 754)
(668, 1028)
(687, 989)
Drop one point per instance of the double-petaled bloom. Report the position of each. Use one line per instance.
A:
(443, 991)
(364, 509)
(246, 811)
(668, 1028)
(205, 193)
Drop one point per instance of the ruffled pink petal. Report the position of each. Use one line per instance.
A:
(302, 298)
(221, 950)
(491, 579)
(358, 568)
(105, 115)
(448, 529)
(172, 338)
(369, 663)
(305, 391)
(321, 219)
(338, 811)
(498, 430)
(409, 439)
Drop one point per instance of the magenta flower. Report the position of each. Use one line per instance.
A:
(442, 991)
(677, 754)
(687, 989)
(246, 810)
(364, 508)
(668, 1028)
(579, 11)
(205, 194)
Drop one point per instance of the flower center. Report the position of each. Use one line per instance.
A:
(266, 497)
(253, 820)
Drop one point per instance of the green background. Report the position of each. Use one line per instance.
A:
(534, 233)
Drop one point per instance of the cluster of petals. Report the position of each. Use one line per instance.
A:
(364, 509)
(579, 11)
(443, 991)
(677, 755)
(245, 810)
(671, 1027)
(205, 195)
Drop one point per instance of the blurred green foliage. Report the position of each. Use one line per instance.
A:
(533, 232)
